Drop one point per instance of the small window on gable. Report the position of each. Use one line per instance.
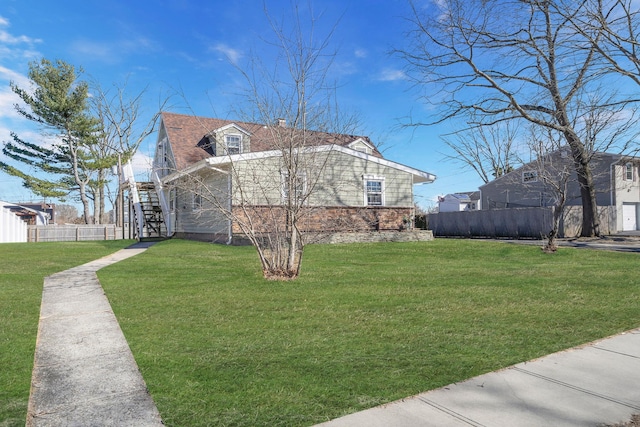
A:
(359, 145)
(233, 144)
(530, 176)
(374, 191)
(362, 148)
(628, 172)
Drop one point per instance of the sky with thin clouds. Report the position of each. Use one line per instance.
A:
(186, 49)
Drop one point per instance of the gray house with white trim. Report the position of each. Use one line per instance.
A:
(616, 179)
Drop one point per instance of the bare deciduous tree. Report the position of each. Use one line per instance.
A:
(616, 23)
(514, 60)
(269, 196)
(121, 134)
(491, 151)
(553, 169)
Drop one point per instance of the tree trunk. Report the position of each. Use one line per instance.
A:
(98, 201)
(85, 203)
(590, 220)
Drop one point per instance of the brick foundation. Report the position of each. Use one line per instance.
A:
(329, 219)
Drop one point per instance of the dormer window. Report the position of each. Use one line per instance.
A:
(363, 149)
(362, 146)
(530, 176)
(233, 144)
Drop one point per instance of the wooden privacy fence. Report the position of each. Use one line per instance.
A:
(69, 233)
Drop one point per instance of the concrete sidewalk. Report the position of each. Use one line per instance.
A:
(84, 372)
(592, 385)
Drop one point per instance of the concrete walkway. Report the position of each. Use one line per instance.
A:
(592, 385)
(84, 373)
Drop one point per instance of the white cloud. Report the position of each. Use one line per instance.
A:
(360, 53)
(230, 53)
(391, 75)
(8, 38)
(8, 100)
(112, 51)
(9, 75)
(142, 165)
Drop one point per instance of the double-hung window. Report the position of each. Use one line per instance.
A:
(373, 190)
(628, 172)
(295, 187)
(233, 144)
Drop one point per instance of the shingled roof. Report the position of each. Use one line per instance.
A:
(187, 136)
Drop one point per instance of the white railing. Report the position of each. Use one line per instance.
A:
(129, 178)
(164, 204)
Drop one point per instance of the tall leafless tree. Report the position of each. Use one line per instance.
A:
(514, 60)
(491, 151)
(296, 101)
(123, 128)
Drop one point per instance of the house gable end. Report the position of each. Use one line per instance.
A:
(361, 145)
(163, 159)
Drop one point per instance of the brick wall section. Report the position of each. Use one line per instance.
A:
(330, 219)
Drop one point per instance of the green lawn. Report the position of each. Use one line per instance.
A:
(363, 325)
(23, 267)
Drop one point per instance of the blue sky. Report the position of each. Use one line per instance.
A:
(181, 48)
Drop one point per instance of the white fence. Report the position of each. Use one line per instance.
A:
(12, 227)
(67, 233)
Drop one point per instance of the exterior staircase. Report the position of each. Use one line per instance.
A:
(152, 217)
(149, 207)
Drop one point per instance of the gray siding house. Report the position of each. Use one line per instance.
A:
(348, 185)
(616, 180)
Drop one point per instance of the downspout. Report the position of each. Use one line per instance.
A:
(612, 188)
(230, 218)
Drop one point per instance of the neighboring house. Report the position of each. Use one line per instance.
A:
(616, 179)
(49, 209)
(14, 220)
(354, 187)
(467, 201)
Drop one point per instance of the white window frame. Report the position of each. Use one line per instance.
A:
(284, 188)
(227, 143)
(374, 178)
(529, 176)
(629, 170)
(196, 201)
(362, 147)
